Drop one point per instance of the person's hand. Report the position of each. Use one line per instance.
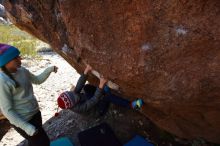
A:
(87, 69)
(30, 129)
(55, 69)
(102, 82)
(36, 132)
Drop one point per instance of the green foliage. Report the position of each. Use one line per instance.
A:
(9, 34)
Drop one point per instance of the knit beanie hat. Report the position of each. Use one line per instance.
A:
(66, 100)
(7, 53)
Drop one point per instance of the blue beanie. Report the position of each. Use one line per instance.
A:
(7, 53)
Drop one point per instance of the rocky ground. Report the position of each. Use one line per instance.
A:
(125, 123)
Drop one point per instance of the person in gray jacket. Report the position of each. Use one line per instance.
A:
(77, 100)
(85, 96)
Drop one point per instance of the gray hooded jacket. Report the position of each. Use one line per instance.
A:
(84, 103)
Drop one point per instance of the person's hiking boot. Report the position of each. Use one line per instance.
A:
(137, 104)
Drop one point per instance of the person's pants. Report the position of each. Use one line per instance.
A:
(41, 138)
(107, 99)
(5, 126)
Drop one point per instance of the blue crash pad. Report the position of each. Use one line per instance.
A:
(64, 141)
(138, 141)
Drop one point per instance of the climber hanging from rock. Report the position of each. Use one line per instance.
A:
(83, 97)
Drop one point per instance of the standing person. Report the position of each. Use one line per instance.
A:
(17, 101)
(86, 96)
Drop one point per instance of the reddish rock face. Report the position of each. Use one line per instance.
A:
(167, 52)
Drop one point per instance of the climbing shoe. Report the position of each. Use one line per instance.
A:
(137, 104)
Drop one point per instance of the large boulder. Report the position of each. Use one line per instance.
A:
(166, 52)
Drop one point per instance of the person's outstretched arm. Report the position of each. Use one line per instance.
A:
(82, 79)
(38, 79)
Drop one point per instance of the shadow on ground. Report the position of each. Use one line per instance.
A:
(125, 123)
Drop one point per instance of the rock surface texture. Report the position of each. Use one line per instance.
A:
(167, 52)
